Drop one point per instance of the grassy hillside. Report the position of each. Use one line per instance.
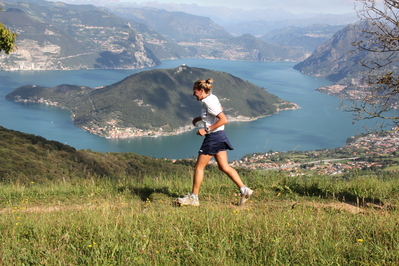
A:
(26, 157)
(60, 206)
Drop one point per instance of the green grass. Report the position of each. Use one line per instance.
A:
(128, 221)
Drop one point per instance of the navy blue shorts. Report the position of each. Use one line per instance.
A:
(214, 143)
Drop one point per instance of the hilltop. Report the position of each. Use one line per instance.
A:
(153, 102)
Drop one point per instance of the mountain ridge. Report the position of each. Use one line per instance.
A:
(112, 42)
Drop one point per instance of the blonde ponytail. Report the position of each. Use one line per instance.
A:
(204, 84)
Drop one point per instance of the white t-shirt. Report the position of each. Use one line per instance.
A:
(211, 107)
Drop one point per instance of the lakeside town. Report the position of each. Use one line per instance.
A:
(355, 155)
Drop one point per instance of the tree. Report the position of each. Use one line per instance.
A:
(380, 39)
(7, 39)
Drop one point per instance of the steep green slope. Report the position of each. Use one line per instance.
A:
(33, 158)
(155, 100)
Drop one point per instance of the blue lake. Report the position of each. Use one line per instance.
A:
(319, 124)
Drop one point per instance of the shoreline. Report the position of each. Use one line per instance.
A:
(113, 132)
(132, 132)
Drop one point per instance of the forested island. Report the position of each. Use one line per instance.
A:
(152, 103)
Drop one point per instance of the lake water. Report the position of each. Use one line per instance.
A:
(317, 125)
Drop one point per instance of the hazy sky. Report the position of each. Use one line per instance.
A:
(295, 6)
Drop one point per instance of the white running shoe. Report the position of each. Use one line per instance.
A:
(245, 195)
(189, 200)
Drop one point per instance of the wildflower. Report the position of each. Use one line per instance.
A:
(90, 246)
(360, 240)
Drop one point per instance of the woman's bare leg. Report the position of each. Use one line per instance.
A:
(200, 165)
(223, 164)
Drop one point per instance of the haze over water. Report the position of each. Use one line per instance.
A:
(317, 125)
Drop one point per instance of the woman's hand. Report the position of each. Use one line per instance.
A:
(201, 132)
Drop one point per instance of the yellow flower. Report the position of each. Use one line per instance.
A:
(90, 246)
(360, 240)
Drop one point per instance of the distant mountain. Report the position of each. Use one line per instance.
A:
(336, 59)
(64, 36)
(43, 46)
(261, 27)
(205, 39)
(175, 26)
(231, 18)
(339, 61)
(152, 102)
(61, 36)
(307, 38)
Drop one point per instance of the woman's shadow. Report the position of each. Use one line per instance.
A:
(145, 193)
